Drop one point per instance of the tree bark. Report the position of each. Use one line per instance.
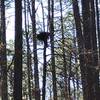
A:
(44, 74)
(3, 58)
(64, 57)
(80, 41)
(28, 51)
(18, 51)
(52, 51)
(98, 25)
(90, 45)
(95, 53)
(36, 76)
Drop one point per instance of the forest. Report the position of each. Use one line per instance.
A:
(49, 49)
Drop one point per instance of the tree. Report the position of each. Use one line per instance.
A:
(88, 25)
(64, 57)
(18, 51)
(88, 44)
(52, 50)
(98, 24)
(36, 75)
(94, 50)
(45, 35)
(80, 41)
(3, 59)
(28, 50)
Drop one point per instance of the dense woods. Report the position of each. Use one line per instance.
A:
(49, 50)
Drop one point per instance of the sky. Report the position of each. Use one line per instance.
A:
(10, 23)
(10, 20)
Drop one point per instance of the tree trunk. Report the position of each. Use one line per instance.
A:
(3, 59)
(69, 77)
(76, 63)
(44, 58)
(18, 51)
(44, 74)
(52, 51)
(95, 53)
(98, 24)
(64, 57)
(36, 76)
(88, 22)
(28, 51)
(80, 42)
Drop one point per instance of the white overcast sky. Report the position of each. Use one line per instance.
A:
(10, 23)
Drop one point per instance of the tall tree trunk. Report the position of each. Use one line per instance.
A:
(28, 66)
(74, 87)
(80, 42)
(52, 51)
(98, 24)
(44, 74)
(49, 13)
(69, 77)
(95, 53)
(28, 50)
(76, 62)
(43, 16)
(18, 51)
(44, 58)
(64, 57)
(36, 75)
(89, 42)
(3, 59)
